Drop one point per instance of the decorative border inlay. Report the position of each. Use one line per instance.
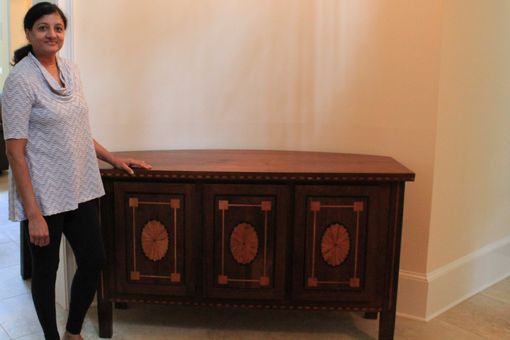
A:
(250, 306)
(249, 177)
(315, 207)
(224, 206)
(174, 205)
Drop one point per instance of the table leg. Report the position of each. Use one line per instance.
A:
(387, 325)
(105, 318)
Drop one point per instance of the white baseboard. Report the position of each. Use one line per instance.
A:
(412, 295)
(425, 296)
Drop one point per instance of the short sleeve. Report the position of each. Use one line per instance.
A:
(17, 101)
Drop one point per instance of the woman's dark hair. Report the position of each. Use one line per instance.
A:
(35, 13)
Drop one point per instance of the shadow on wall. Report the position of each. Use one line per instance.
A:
(254, 74)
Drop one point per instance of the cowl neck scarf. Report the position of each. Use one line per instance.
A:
(64, 92)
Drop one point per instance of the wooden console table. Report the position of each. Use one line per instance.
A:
(255, 229)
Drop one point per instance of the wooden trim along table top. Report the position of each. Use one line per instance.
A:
(251, 164)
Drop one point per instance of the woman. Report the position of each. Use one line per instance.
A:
(55, 178)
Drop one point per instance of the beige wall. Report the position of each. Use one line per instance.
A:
(4, 42)
(371, 76)
(18, 8)
(347, 76)
(471, 201)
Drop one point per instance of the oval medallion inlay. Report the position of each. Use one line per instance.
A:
(335, 244)
(154, 240)
(244, 243)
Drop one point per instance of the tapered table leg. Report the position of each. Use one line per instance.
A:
(387, 325)
(105, 318)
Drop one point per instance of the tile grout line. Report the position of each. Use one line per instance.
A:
(3, 329)
(496, 299)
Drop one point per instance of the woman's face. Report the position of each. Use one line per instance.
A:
(47, 35)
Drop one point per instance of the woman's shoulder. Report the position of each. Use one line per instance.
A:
(23, 72)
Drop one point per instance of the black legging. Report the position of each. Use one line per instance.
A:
(81, 229)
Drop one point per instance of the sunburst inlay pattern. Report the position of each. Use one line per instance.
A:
(244, 243)
(335, 245)
(154, 240)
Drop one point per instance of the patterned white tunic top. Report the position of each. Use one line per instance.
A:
(60, 150)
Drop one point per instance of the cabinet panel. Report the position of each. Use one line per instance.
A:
(340, 236)
(245, 241)
(154, 228)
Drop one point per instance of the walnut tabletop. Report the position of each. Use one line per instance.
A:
(281, 165)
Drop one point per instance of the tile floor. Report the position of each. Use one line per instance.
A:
(484, 316)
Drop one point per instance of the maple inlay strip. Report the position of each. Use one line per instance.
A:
(338, 206)
(356, 246)
(313, 242)
(152, 203)
(265, 242)
(134, 240)
(175, 239)
(242, 280)
(223, 242)
(245, 205)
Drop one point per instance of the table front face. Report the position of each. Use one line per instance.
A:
(153, 233)
(245, 241)
(340, 237)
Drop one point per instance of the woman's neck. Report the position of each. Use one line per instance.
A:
(48, 61)
(50, 64)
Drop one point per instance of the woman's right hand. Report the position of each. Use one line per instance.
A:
(37, 226)
(38, 231)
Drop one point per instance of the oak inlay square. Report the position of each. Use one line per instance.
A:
(354, 282)
(313, 282)
(223, 204)
(265, 205)
(264, 281)
(315, 206)
(133, 202)
(135, 276)
(175, 277)
(358, 206)
(222, 279)
(175, 203)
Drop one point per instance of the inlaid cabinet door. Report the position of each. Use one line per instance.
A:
(340, 235)
(155, 248)
(245, 240)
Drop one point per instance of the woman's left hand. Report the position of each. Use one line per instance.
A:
(126, 164)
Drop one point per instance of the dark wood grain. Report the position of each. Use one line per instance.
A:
(286, 200)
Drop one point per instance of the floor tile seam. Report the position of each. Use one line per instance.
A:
(5, 331)
(457, 327)
(29, 294)
(16, 242)
(13, 296)
(8, 265)
(506, 302)
(13, 265)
